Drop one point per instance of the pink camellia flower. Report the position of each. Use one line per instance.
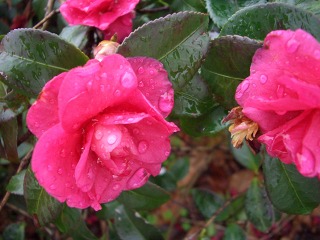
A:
(101, 129)
(282, 94)
(108, 15)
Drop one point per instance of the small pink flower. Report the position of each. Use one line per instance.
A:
(101, 129)
(282, 94)
(108, 15)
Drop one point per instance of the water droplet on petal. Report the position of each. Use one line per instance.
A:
(73, 166)
(280, 91)
(167, 153)
(116, 187)
(263, 79)
(98, 135)
(245, 85)
(140, 70)
(63, 153)
(292, 46)
(151, 72)
(166, 102)
(60, 171)
(136, 131)
(128, 80)
(89, 85)
(142, 146)
(104, 75)
(117, 93)
(138, 179)
(50, 168)
(111, 139)
(52, 187)
(316, 54)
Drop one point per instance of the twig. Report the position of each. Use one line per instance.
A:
(153, 10)
(46, 18)
(23, 162)
(211, 220)
(48, 11)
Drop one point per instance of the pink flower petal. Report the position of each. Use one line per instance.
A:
(87, 91)
(286, 56)
(122, 26)
(46, 105)
(153, 82)
(54, 158)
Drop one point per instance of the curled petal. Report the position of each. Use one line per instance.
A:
(46, 105)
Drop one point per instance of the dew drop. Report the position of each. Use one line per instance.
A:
(138, 179)
(140, 70)
(166, 102)
(292, 46)
(104, 75)
(50, 168)
(117, 93)
(151, 72)
(263, 79)
(60, 171)
(142, 146)
(67, 184)
(136, 131)
(63, 153)
(89, 85)
(73, 166)
(141, 84)
(116, 187)
(111, 139)
(239, 94)
(98, 134)
(128, 80)
(245, 85)
(316, 54)
(52, 187)
(167, 153)
(280, 91)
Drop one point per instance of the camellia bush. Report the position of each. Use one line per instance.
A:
(99, 98)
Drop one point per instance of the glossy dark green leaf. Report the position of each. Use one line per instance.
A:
(258, 207)
(166, 181)
(207, 124)
(288, 190)
(232, 209)
(15, 184)
(221, 10)
(227, 64)
(188, 5)
(180, 168)
(193, 99)
(44, 208)
(257, 21)
(131, 226)
(107, 211)
(29, 58)
(147, 197)
(77, 35)
(309, 5)
(246, 157)
(15, 231)
(9, 135)
(71, 222)
(206, 201)
(234, 232)
(179, 41)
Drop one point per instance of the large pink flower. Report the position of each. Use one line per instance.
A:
(101, 129)
(108, 15)
(282, 94)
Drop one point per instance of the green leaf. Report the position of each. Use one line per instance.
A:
(15, 185)
(39, 203)
(309, 5)
(221, 10)
(77, 35)
(234, 232)
(206, 201)
(130, 226)
(227, 64)
(71, 222)
(14, 231)
(232, 209)
(107, 211)
(29, 58)
(180, 168)
(258, 207)
(246, 157)
(257, 21)
(188, 5)
(288, 190)
(193, 99)
(166, 181)
(147, 197)
(179, 41)
(9, 134)
(207, 124)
